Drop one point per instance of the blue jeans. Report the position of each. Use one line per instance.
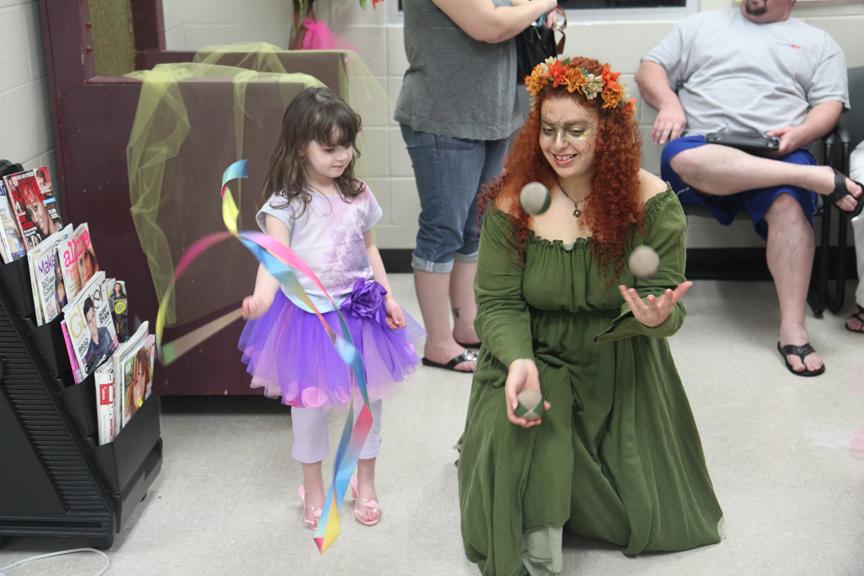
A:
(449, 173)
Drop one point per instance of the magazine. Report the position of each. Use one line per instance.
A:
(34, 206)
(116, 290)
(73, 360)
(78, 260)
(105, 415)
(49, 296)
(10, 239)
(91, 330)
(133, 370)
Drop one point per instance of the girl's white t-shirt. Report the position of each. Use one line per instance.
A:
(328, 237)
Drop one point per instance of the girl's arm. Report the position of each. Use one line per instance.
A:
(483, 21)
(266, 285)
(395, 318)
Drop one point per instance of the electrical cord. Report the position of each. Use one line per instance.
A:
(102, 571)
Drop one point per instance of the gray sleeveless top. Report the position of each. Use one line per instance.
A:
(456, 86)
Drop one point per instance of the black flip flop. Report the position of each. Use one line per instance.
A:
(451, 365)
(474, 345)
(840, 192)
(800, 351)
(859, 315)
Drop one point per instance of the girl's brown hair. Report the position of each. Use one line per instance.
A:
(315, 114)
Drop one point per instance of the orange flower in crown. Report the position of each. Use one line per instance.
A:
(555, 72)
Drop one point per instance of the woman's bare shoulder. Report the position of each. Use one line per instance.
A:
(650, 185)
(506, 205)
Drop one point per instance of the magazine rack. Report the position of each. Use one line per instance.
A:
(55, 480)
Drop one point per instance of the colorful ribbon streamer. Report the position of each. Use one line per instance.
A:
(282, 263)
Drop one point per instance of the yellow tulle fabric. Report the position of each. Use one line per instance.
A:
(195, 118)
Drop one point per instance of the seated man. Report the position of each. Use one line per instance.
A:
(856, 170)
(754, 70)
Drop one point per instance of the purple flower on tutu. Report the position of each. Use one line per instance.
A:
(365, 300)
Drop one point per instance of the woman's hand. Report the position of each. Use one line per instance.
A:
(653, 311)
(254, 306)
(521, 375)
(395, 317)
(556, 19)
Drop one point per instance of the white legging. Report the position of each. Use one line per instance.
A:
(311, 435)
(856, 172)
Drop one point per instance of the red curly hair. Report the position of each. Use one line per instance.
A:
(614, 203)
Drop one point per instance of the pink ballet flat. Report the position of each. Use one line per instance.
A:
(366, 510)
(312, 515)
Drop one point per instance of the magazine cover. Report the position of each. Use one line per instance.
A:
(124, 376)
(87, 264)
(91, 329)
(73, 260)
(73, 360)
(36, 214)
(49, 295)
(10, 239)
(137, 379)
(34, 289)
(105, 416)
(116, 290)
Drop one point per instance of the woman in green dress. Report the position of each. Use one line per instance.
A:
(617, 455)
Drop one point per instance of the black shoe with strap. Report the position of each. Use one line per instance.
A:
(859, 316)
(841, 191)
(801, 351)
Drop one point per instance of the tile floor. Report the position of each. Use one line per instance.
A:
(778, 448)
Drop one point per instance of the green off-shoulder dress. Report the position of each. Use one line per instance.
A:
(618, 456)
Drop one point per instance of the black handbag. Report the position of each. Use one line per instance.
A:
(537, 43)
(752, 142)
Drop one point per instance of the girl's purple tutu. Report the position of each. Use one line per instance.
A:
(289, 354)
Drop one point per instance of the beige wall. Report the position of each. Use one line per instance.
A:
(25, 133)
(191, 24)
(381, 44)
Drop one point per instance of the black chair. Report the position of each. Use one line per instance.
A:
(849, 133)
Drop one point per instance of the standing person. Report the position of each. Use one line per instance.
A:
(316, 206)
(457, 109)
(617, 455)
(755, 70)
(855, 323)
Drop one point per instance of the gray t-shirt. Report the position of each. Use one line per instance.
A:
(456, 86)
(732, 74)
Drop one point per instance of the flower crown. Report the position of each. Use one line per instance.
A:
(556, 72)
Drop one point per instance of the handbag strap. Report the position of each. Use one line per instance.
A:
(560, 26)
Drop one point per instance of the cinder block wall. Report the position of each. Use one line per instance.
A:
(378, 37)
(25, 117)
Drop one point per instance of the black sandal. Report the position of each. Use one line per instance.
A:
(455, 361)
(859, 315)
(841, 191)
(801, 351)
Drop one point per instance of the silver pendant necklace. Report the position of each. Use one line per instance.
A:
(577, 212)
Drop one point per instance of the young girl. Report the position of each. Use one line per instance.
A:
(325, 215)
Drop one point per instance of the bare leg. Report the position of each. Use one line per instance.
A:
(856, 169)
(433, 294)
(854, 322)
(464, 305)
(721, 171)
(366, 478)
(791, 245)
